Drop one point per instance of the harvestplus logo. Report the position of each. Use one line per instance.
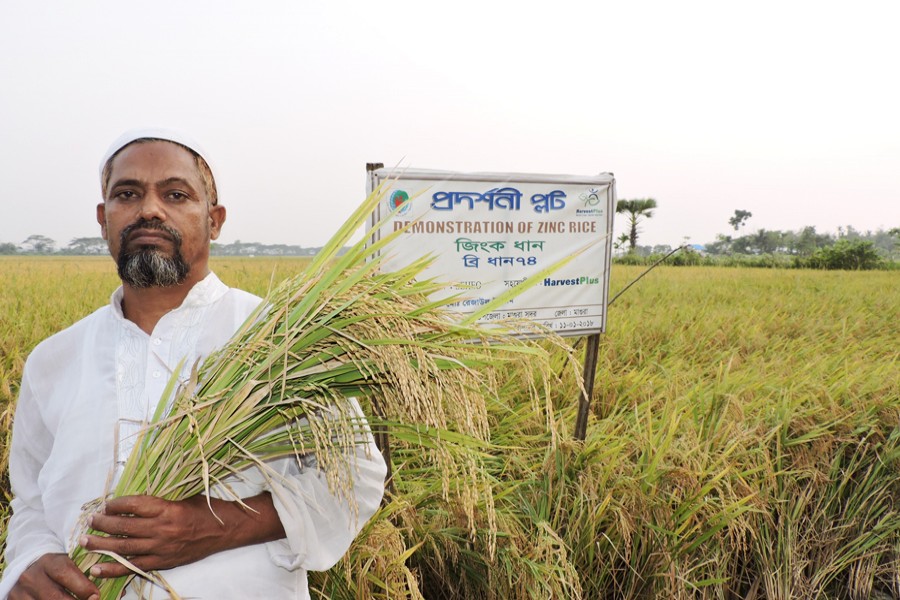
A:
(592, 206)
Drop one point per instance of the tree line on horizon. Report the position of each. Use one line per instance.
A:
(96, 246)
(804, 248)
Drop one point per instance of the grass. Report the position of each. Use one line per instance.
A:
(744, 444)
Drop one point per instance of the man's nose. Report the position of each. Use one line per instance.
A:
(153, 206)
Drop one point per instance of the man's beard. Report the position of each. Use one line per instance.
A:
(147, 266)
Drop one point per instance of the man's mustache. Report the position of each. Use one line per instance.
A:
(146, 224)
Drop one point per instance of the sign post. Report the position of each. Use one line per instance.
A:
(488, 232)
(590, 370)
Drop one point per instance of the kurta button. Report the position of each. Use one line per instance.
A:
(156, 374)
(157, 341)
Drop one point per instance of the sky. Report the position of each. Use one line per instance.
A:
(787, 109)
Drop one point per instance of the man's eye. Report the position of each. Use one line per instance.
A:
(177, 196)
(126, 195)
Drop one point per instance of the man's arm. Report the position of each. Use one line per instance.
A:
(37, 567)
(321, 525)
(312, 526)
(155, 534)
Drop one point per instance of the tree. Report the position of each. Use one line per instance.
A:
(722, 245)
(848, 233)
(7, 248)
(857, 255)
(620, 241)
(808, 241)
(86, 245)
(637, 209)
(39, 244)
(739, 219)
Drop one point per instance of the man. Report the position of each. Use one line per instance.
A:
(86, 390)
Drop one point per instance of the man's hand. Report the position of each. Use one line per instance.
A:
(155, 534)
(53, 577)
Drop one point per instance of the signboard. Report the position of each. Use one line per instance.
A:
(489, 231)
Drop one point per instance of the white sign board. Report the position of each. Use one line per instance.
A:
(489, 231)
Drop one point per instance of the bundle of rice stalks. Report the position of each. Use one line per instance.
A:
(282, 386)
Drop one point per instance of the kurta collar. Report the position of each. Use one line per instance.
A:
(205, 292)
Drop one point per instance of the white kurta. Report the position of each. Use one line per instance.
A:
(104, 375)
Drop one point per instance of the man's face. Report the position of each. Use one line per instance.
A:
(156, 217)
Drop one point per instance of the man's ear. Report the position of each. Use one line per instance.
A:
(216, 219)
(101, 218)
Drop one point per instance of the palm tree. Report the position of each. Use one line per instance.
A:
(636, 209)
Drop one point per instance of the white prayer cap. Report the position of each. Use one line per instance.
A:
(156, 133)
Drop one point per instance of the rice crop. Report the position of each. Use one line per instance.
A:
(744, 443)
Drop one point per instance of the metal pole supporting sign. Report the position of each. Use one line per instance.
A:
(590, 370)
